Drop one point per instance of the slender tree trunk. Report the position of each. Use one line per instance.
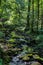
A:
(37, 15)
(42, 22)
(32, 15)
(28, 17)
(41, 16)
(1, 9)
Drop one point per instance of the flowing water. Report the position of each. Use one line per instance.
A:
(17, 61)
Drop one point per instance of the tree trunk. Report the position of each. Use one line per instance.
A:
(28, 16)
(41, 15)
(37, 15)
(32, 16)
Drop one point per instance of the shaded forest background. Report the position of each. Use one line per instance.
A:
(21, 28)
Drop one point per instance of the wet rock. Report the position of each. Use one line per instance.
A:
(15, 59)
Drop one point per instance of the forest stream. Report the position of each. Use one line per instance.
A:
(17, 61)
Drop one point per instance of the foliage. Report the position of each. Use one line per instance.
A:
(21, 28)
(1, 34)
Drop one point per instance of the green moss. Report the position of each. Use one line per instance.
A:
(29, 55)
(11, 40)
(36, 56)
(25, 58)
(41, 59)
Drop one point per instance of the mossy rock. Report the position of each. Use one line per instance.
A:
(41, 59)
(36, 56)
(11, 40)
(25, 58)
(29, 55)
(35, 63)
